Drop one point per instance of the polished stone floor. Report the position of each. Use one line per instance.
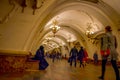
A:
(61, 70)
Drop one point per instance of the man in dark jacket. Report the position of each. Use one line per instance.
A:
(73, 55)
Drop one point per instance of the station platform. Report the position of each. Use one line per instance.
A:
(61, 70)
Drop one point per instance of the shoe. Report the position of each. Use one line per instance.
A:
(101, 78)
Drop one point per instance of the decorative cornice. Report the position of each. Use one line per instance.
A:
(35, 5)
(13, 52)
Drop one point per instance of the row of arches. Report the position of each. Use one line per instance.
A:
(73, 17)
(24, 31)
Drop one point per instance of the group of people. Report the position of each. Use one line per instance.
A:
(108, 51)
(54, 55)
(78, 55)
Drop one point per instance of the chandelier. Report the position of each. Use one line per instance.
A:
(89, 31)
(55, 28)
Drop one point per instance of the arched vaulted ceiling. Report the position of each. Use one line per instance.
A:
(78, 16)
(33, 19)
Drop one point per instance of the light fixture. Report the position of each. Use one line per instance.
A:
(89, 31)
(55, 28)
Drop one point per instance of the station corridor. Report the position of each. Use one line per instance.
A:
(61, 70)
(58, 26)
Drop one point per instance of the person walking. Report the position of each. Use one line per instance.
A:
(108, 51)
(81, 56)
(85, 59)
(73, 56)
(95, 57)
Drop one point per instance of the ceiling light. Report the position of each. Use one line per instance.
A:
(55, 28)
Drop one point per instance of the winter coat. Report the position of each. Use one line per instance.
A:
(81, 55)
(73, 52)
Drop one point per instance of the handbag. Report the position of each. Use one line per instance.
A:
(69, 59)
(105, 53)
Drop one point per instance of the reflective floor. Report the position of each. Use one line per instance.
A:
(61, 70)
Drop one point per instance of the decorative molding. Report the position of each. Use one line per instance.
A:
(93, 1)
(10, 13)
(90, 30)
(13, 52)
(34, 6)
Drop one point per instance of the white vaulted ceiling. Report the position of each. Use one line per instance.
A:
(77, 16)
(30, 30)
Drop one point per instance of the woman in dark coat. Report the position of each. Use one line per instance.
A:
(40, 56)
(40, 53)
